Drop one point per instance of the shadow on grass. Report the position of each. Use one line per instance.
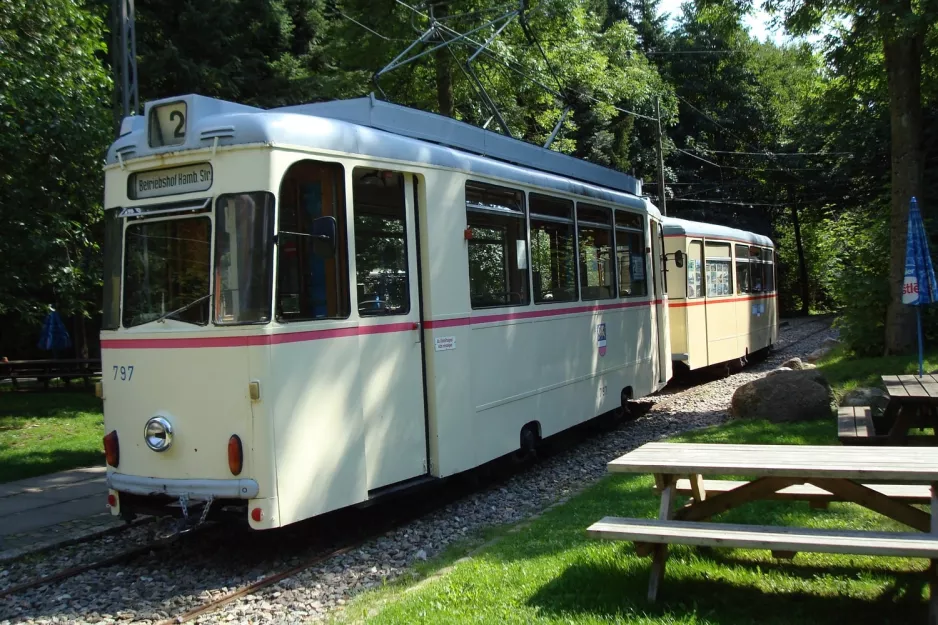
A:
(611, 590)
(38, 405)
(34, 464)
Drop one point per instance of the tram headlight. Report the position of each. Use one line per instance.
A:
(158, 434)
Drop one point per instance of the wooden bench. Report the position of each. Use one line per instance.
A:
(855, 425)
(783, 540)
(44, 371)
(909, 493)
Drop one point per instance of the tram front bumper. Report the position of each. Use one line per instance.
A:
(192, 489)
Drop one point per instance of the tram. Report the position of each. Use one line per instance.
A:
(723, 304)
(308, 307)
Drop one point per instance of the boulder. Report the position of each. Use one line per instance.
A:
(794, 364)
(784, 396)
(779, 370)
(830, 342)
(877, 399)
(817, 354)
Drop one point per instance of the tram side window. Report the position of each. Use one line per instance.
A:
(695, 282)
(553, 249)
(630, 254)
(756, 268)
(769, 267)
(498, 250)
(594, 228)
(743, 284)
(113, 255)
(310, 286)
(380, 243)
(244, 228)
(719, 274)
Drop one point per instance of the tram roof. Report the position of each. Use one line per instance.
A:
(374, 128)
(683, 227)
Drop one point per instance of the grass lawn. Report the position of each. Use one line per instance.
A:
(550, 572)
(46, 432)
(846, 372)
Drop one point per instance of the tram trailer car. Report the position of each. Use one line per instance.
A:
(308, 307)
(722, 300)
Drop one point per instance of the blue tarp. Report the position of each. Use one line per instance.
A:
(919, 286)
(54, 337)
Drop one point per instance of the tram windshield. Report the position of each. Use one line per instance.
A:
(167, 271)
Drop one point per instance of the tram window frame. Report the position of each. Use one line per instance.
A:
(588, 217)
(717, 284)
(261, 237)
(630, 225)
(548, 213)
(743, 265)
(496, 209)
(699, 285)
(330, 177)
(368, 237)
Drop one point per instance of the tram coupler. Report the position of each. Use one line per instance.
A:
(188, 522)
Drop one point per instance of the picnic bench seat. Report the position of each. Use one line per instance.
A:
(855, 425)
(44, 371)
(909, 493)
(783, 540)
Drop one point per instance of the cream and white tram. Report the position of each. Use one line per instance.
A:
(310, 306)
(723, 304)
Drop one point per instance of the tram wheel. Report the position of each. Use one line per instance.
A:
(529, 440)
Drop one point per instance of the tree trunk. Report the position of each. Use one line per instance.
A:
(802, 266)
(444, 72)
(903, 52)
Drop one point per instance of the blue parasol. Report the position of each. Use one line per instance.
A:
(54, 337)
(919, 286)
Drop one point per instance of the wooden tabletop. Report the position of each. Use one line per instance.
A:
(916, 464)
(911, 386)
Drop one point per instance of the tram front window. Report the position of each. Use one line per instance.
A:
(167, 271)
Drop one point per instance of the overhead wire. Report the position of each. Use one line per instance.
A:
(497, 57)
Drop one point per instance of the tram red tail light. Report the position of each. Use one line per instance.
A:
(257, 515)
(112, 452)
(112, 500)
(235, 455)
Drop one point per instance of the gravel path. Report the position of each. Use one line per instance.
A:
(175, 580)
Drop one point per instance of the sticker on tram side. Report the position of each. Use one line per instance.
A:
(601, 338)
(444, 343)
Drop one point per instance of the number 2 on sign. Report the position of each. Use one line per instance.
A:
(123, 372)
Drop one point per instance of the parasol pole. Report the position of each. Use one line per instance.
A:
(918, 320)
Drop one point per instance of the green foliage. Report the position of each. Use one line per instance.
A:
(55, 120)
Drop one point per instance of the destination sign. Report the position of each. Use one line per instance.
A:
(160, 182)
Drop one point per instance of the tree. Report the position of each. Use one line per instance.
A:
(900, 28)
(54, 108)
(260, 52)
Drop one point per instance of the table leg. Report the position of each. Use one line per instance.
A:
(933, 568)
(697, 487)
(660, 553)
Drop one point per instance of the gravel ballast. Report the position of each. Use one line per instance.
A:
(170, 581)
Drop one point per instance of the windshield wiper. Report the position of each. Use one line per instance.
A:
(179, 310)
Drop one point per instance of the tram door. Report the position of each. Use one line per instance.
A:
(661, 304)
(387, 279)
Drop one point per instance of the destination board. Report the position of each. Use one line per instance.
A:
(161, 182)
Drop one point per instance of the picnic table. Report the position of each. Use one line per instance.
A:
(818, 474)
(44, 371)
(913, 403)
